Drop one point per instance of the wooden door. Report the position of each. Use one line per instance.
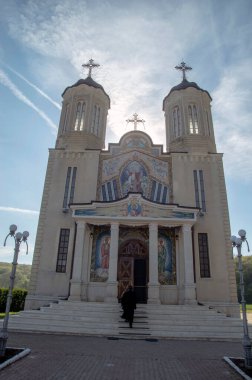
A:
(125, 274)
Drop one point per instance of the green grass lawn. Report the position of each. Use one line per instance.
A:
(3, 314)
(248, 308)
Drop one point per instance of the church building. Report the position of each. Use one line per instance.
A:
(136, 213)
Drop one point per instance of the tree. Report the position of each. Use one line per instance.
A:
(247, 275)
(22, 277)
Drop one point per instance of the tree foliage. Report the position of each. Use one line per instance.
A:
(22, 277)
(247, 275)
(18, 299)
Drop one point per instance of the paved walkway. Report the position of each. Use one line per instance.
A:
(60, 357)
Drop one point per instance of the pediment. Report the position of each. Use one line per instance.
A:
(135, 140)
(132, 208)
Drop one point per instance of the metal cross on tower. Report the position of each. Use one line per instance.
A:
(90, 65)
(183, 68)
(135, 120)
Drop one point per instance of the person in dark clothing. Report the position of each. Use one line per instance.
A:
(129, 305)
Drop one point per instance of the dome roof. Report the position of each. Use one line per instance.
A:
(184, 85)
(89, 82)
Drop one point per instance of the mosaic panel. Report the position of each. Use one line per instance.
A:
(134, 178)
(100, 254)
(166, 257)
(157, 168)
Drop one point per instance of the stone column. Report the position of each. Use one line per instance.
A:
(112, 282)
(153, 285)
(189, 285)
(76, 281)
(85, 264)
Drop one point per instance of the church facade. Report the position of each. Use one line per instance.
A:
(134, 214)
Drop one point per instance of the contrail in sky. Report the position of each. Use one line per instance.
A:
(42, 93)
(13, 88)
(21, 210)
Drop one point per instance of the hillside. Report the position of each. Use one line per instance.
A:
(22, 278)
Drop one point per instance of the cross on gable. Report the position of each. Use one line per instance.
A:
(90, 65)
(183, 68)
(135, 120)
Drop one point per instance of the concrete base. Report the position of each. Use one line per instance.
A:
(229, 309)
(112, 292)
(35, 301)
(190, 295)
(153, 294)
(75, 291)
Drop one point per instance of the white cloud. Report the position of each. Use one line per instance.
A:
(130, 43)
(232, 119)
(138, 44)
(19, 210)
(7, 253)
(13, 88)
(42, 93)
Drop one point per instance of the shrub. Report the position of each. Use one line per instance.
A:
(18, 299)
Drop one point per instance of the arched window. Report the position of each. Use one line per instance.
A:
(66, 117)
(208, 125)
(80, 116)
(95, 120)
(176, 122)
(193, 119)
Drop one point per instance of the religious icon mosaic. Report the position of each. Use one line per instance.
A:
(157, 168)
(166, 257)
(100, 255)
(134, 207)
(134, 178)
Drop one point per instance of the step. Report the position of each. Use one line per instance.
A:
(96, 318)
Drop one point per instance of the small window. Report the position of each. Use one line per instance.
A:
(69, 189)
(82, 119)
(193, 119)
(65, 200)
(199, 189)
(80, 116)
(208, 125)
(95, 121)
(204, 255)
(63, 250)
(109, 191)
(153, 190)
(159, 192)
(176, 122)
(164, 197)
(66, 117)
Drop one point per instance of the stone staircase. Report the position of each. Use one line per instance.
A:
(150, 321)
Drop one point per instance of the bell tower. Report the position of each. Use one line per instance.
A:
(84, 114)
(188, 119)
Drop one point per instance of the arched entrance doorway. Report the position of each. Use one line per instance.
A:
(133, 268)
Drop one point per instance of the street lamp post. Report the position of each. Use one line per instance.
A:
(19, 237)
(237, 242)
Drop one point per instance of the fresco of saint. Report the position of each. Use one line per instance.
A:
(105, 247)
(101, 251)
(164, 259)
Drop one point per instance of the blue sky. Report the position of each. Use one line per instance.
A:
(138, 43)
